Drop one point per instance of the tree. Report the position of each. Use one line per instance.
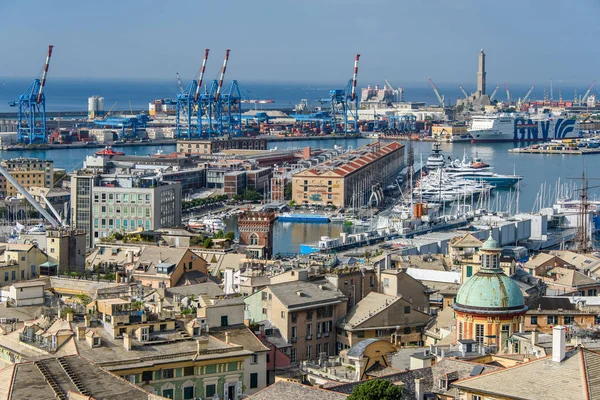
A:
(287, 191)
(376, 389)
(208, 243)
(237, 197)
(230, 235)
(252, 195)
(218, 235)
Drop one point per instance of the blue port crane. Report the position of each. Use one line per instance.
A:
(188, 114)
(31, 126)
(344, 103)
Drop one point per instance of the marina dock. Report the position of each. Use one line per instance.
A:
(553, 150)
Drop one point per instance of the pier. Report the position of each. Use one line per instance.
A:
(558, 151)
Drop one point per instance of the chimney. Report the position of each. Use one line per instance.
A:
(160, 305)
(419, 389)
(521, 326)
(558, 343)
(201, 345)
(126, 341)
(59, 313)
(69, 317)
(80, 332)
(87, 320)
(534, 337)
(227, 337)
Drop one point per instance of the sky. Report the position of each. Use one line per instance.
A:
(526, 41)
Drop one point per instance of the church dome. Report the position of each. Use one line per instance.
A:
(490, 291)
(490, 244)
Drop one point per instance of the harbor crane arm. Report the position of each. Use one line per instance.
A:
(39, 97)
(439, 97)
(201, 77)
(55, 223)
(528, 94)
(179, 82)
(494, 92)
(585, 96)
(222, 75)
(108, 112)
(464, 91)
(508, 98)
(51, 207)
(389, 85)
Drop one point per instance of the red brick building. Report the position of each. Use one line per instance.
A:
(256, 233)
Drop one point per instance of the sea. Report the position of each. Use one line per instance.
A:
(71, 94)
(545, 177)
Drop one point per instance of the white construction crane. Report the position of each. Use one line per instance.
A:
(462, 89)
(528, 94)
(494, 92)
(439, 97)
(585, 96)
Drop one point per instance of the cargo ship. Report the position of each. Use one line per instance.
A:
(519, 127)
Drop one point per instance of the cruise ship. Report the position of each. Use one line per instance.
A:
(519, 127)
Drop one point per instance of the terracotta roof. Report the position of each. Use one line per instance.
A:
(291, 390)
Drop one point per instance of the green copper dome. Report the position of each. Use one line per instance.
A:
(490, 292)
(490, 244)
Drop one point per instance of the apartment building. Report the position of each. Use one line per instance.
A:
(27, 172)
(107, 203)
(304, 312)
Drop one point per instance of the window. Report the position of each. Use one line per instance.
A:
(14, 275)
(264, 311)
(294, 332)
(318, 352)
(460, 330)
(386, 282)
(309, 315)
(505, 327)
(308, 331)
(188, 392)
(254, 359)
(145, 334)
(293, 355)
(263, 295)
(254, 239)
(475, 397)
(283, 314)
(407, 330)
(22, 276)
(406, 309)
(168, 373)
(326, 349)
(294, 317)
(168, 393)
(308, 352)
(147, 376)
(568, 319)
(360, 334)
(596, 320)
(534, 320)
(371, 281)
(469, 271)
(224, 320)
(254, 380)
(479, 333)
(210, 391)
(552, 319)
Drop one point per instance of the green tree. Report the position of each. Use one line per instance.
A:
(230, 235)
(237, 197)
(219, 234)
(287, 191)
(376, 389)
(252, 195)
(208, 243)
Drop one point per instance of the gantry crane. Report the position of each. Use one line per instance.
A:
(439, 97)
(587, 93)
(494, 92)
(342, 101)
(32, 109)
(464, 92)
(186, 107)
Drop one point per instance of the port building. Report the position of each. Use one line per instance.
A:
(352, 179)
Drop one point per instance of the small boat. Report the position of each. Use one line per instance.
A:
(39, 228)
(108, 151)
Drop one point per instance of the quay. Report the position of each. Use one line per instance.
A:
(558, 151)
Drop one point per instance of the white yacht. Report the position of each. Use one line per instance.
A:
(436, 158)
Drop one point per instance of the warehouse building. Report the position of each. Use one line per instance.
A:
(352, 179)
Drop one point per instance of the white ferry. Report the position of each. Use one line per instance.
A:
(521, 127)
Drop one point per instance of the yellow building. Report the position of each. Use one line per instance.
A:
(19, 262)
(28, 172)
(164, 266)
(353, 179)
(447, 132)
(489, 305)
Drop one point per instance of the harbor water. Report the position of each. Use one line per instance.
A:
(537, 170)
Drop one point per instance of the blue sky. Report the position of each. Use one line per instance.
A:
(526, 41)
